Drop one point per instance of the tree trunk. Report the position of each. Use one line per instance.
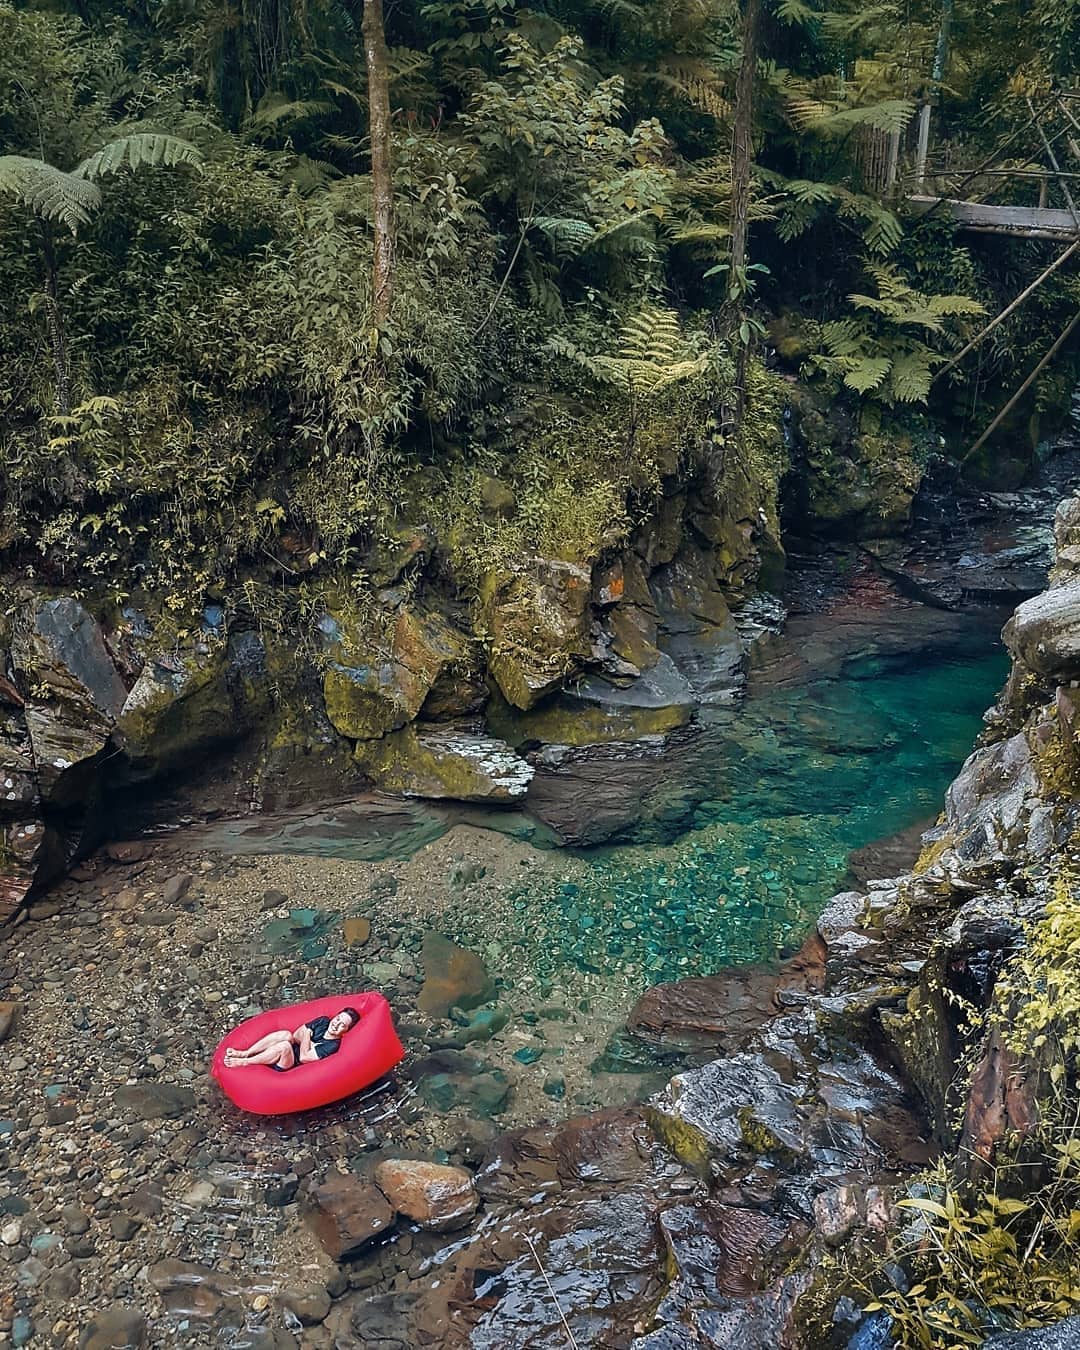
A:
(941, 53)
(742, 155)
(381, 170)
(54, 322)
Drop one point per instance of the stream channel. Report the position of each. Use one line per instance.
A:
(733, 835)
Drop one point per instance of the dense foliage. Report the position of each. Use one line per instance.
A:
(191, 375)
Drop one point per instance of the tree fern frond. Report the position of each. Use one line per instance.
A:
(274, 107)
(48, 191)
(135, 150)
(568, 236)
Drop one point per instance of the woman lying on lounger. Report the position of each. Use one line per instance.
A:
(284, 1050)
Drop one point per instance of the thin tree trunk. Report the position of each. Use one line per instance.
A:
(381, 169)
(742, 155)
(941, 52)
(54, 322)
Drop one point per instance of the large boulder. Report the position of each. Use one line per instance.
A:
(436, 1197)
(594, 711)
(369, 692)
(536, 619)
(1044, 633)
(73, 694)
(346, 1212)
(187, 702)
(445, 760)
(987, 804)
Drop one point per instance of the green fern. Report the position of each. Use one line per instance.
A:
(874, 352)
(652, 355)
(48, 191)
(136, 150)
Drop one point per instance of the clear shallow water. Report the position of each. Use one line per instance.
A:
(773, 800)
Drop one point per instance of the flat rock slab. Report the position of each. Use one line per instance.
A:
(149, 1101)
(723, 1011)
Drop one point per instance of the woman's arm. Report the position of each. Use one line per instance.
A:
(305, 1051)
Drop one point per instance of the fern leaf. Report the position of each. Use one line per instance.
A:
(868, 374)
(568, 236)
(274, 107)
(911, 375)
(136, 150)
(48, 191)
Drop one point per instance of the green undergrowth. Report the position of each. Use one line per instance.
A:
(995, 1245)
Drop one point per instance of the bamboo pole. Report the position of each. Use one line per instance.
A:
(1010, 308)
(1056, 167)
(1061, 340)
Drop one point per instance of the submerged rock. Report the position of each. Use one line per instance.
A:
(726, 1009)
(346, 1212)
(453, 977)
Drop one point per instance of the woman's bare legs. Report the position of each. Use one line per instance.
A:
(278, 1052)
(264, 1043)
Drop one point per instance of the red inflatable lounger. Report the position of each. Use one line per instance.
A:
(369, 1050)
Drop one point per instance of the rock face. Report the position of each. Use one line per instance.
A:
(1044, 633)
(58, 651)
(537, 621)
(368, 695)
(435, 1197)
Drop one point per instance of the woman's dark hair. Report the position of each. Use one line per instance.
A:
(351, 1012)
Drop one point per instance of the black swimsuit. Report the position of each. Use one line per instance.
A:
(323, 1045)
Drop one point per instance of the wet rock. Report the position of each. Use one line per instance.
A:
(194, 1291)
(837, 1212)
(724, 1010)
(368, 695)
(453, 977)
(537, 619)
(1044, 632)
(1063, 1335)
(986, 802)
(115, 1329)
(592, 710)
(435, 1197)
(346, 1212)
(597, 793)
(446, 761)
(123, 1227)
(176, 888)
(311, 1304)
(150, 1101)
(356, 932)
(9, 1012)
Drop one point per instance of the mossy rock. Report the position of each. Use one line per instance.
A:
(366, 699)
(536, 621)
(594, 712)
(445, 762)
